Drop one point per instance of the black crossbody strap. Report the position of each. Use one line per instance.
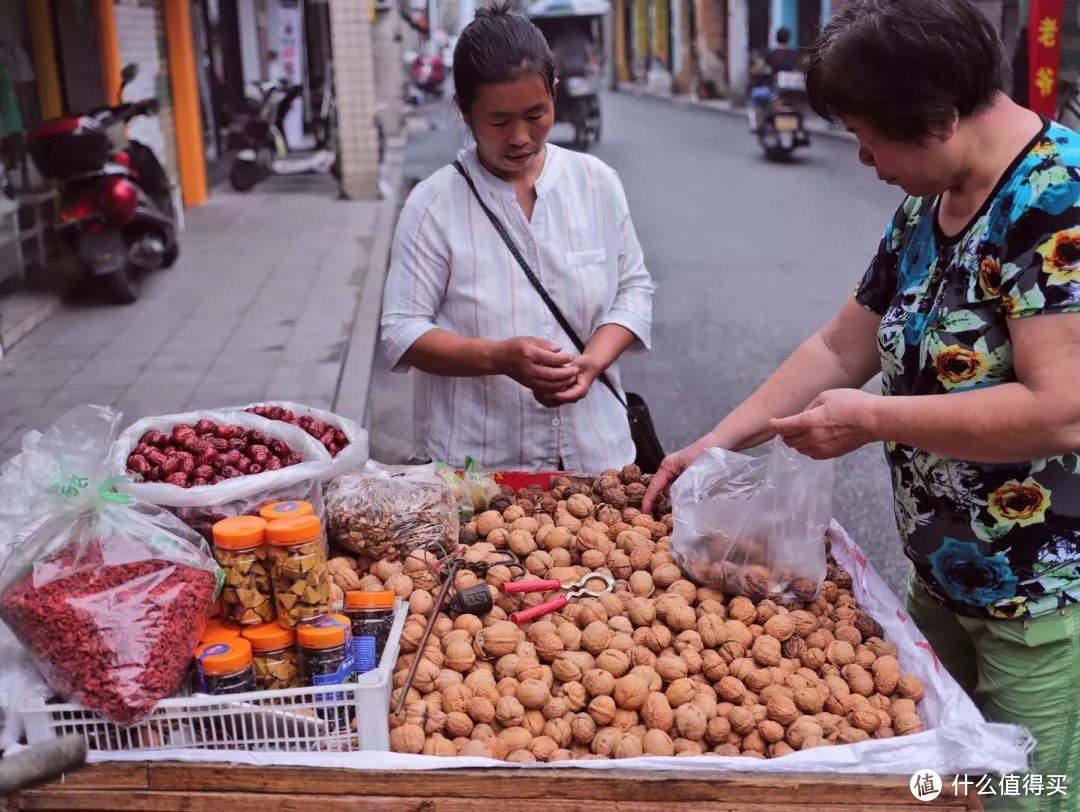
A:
(536, 283)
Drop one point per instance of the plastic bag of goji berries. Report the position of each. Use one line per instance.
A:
(108, 594)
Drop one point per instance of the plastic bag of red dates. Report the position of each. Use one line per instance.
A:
(108, 594)
(208, 465)
(345, 440)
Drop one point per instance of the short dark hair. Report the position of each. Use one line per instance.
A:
(783, 35)
(906, 67)
(499, 46)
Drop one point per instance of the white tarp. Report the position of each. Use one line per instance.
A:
(958, 740)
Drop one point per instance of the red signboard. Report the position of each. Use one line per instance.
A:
(1044, 55)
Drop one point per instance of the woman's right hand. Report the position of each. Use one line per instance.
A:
(672, 468)
(537, 364)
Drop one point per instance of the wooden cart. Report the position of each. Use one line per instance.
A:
(225, 788)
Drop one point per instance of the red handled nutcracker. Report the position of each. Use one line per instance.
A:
(574, 589)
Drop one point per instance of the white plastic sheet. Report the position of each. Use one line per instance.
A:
(958, 740)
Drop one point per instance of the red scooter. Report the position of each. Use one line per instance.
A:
(428, 73)
(118, 208)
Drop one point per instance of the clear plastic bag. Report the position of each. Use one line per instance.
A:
(754, 526)
(474, 487)
(108, 594)
(382, 511)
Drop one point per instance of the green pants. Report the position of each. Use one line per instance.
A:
(1024, 672)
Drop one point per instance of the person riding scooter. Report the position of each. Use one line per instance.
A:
(764, 69)
(778, 101)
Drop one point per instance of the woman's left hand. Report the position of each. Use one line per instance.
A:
(589, 370)
(836, 423)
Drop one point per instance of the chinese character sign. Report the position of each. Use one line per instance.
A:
(1044, 54)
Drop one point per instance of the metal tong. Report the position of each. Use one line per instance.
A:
(574, 589)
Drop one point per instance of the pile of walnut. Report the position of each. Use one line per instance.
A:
(660, 667)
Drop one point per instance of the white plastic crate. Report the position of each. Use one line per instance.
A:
(338, 718)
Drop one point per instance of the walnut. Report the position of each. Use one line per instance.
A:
(731, 689)
(840, 653)
(690, 722)
(602, 710)
(521, 757)
(859, 680)
(583, 728)
(606, 740)
(509, 711)
(630, 691)
(455, 698)
(867, 720)
(681, 618)
(804, 733)
(658, 743)
(533, 694)
(782, 709)
(809, 701)
(558, 730)
(596, 637)
(408, 738)
(781, 627)
(886, 671)
(499, 639)
(549, 645)
(580, 506)
(907, 723)
(615, 662)
(666, 574)
(766, 650)
(911, 687)
(629, 747)
(598, 682)
(481, 710)
(682, 691)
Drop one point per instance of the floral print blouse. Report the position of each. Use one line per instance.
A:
(999, 541)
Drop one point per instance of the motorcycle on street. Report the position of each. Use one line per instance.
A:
(777, 110)
(263, 149)
(119, 212)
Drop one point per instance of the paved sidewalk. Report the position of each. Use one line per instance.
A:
(814, 124)
(262, 304)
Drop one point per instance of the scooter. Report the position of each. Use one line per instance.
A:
(777, 118)
(119, 212)
(428, 73)
(264, 152)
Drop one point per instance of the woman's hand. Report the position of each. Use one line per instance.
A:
(836, 423)
(589, 369)
(537, 365)
(672, 468)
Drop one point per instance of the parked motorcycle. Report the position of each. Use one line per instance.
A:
(428, 73)
(263, 150)
(776, 111)
(119, 212)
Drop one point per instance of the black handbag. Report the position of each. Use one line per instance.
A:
(647, 444)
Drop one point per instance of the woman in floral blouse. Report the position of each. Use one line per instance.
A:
(971, 313)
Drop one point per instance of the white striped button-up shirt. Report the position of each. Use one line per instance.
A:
(449, 269)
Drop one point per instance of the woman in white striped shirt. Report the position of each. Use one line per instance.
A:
(498, 378)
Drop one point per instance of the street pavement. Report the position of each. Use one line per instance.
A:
(749, 257)
(262, 304)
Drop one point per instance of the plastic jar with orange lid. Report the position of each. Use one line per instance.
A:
(325, 651)
(240, 548)
(371, 615)
(225, 667)
(276, 662)
(299, 575)
(286, 510)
